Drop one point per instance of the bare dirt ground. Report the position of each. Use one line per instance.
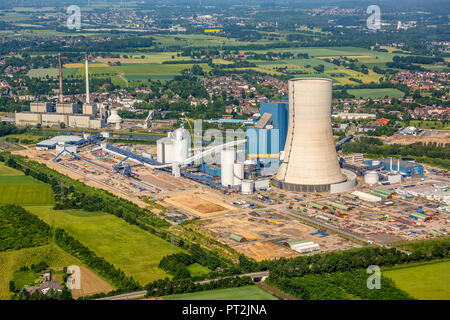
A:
(90, 284)
(202, 204)
(437, 136)
(265, 251)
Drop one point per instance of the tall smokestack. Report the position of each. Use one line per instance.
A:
(88, 98)
(61, 99)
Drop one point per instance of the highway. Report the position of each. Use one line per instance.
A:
(140, 294)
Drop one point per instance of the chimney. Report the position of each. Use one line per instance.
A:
(88, 98)
(61, 99)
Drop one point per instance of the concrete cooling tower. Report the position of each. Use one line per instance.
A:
(310, 161)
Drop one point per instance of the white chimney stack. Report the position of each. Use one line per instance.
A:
(88, 98)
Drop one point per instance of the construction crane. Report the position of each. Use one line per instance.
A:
(74, 156)
(125, 168)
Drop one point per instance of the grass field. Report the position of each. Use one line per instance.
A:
(7, 171)
(197, 270)
(16, 188)
(376, 93)
(11, 261)
(241, 293)
(423, 124)
(127, 247)
(429, 281)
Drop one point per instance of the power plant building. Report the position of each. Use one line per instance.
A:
(51, 114)
(310, 162)
(406, 168)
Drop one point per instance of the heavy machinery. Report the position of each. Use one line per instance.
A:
(125, 168)
(73, 154)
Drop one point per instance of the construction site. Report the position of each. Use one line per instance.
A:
(315, 201)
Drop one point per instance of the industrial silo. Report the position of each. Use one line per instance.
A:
(181, 141)
(238, 173)
(371, 177)
(227, 159)
(310, 161)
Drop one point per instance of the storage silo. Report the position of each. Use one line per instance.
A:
(371, 177)
(247, 187)
(310, 161)
(228, 156)
(181, 140)
(238, 172)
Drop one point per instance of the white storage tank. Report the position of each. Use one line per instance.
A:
(238, 170)
(247, 187)
(164, 150)
(180, 138)
(371, 177)
(227, 166)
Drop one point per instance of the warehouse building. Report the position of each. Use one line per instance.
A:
(59, 140)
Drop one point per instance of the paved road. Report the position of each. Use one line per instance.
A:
(136, 294)
(140, 294)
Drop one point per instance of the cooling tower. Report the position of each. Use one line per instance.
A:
(310, 161)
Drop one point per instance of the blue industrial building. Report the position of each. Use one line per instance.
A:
(280, 117)
(407, 168)
(265, 142)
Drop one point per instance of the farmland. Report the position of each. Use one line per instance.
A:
(241, 293)
(127, 247)
(428, 281)
(376, 93)
(16, 188)
(11, 261)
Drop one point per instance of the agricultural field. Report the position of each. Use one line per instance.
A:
(428, 281)
(197, 270)
(241, 293)
(126, 246)
(11, 261)
(376, 93)
(51, 72)
(424, 124)
(16, 188)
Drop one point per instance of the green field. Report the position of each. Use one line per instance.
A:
(126, 246)
(8, 171)
(16, 188)
(429, 281)
(197, 270)
(376, 93)
(424, 124)
(241, 293)
(11, 261)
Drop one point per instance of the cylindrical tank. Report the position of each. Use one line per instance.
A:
(180, 138)
(227, 163)
(247, 187)
(160, 151)
(371, 177)
(310, 161)
(176, 169)
(238, 172)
